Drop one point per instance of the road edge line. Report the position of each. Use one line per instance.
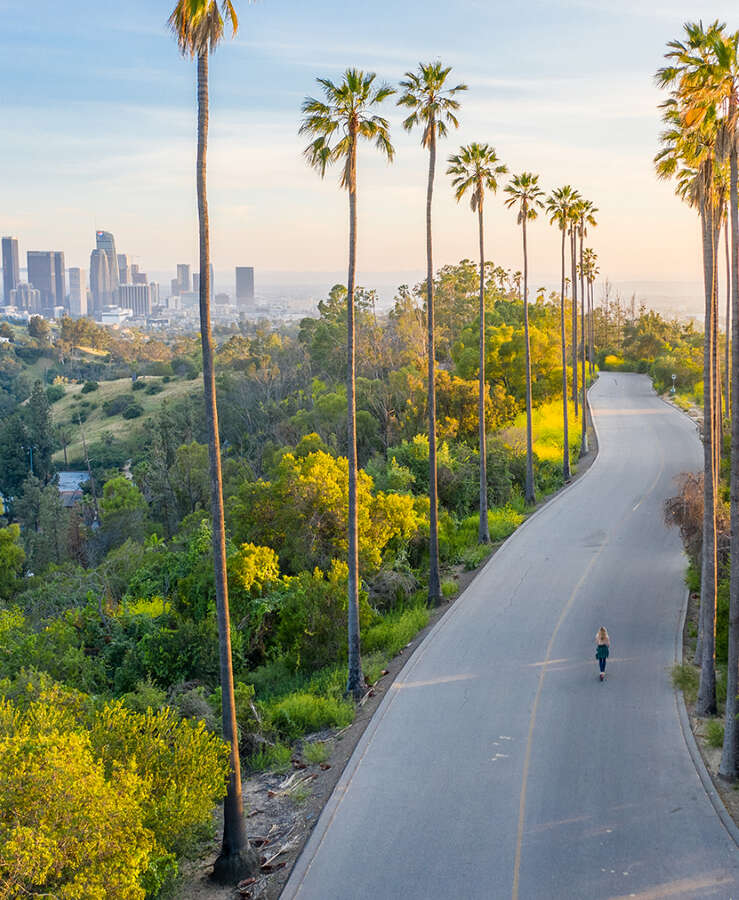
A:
(695, 754)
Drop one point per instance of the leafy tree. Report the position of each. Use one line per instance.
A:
(39, 328)
(476, 169)
(199, 26)
(433, 106)
(45, 524)
(13, 452)
(344, 118)
(40, 433)
(525, 193)
(12, 559)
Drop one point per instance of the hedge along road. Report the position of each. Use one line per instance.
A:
(498, 765)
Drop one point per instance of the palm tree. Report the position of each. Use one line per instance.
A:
(524, 192)
(199, 26)
(433, 106)
(689, 154)
(337, 124)
(574, 216)
(559, 208)
(476, 169)
(586, 216)
(591, 273)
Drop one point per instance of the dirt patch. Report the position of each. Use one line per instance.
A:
(282, 808)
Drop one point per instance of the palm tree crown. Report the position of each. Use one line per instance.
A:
(434, 106)
(344, 117)
(475, 169)
(523, 191)
(199, 25)
(560, 206)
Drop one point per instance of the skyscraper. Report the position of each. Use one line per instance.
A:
(42, 275)
(100, 285)
(25, 296)
(183, 278)
(136, 297)
(77, 293)
(123, 272)
(60, 279)
(244, 284)
(104, 240)
(11, 267)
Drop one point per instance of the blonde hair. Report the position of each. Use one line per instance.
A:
(602, 634)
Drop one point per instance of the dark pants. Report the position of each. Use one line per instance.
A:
(602, 663)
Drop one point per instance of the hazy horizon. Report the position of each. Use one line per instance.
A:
(103, 133)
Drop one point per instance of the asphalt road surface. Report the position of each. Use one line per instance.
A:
(498, 765)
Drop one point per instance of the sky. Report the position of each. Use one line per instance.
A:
(98, 131)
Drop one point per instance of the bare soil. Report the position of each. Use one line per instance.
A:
(282, 808)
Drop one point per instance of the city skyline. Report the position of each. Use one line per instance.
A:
(128, 161)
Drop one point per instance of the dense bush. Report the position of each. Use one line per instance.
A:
(89, 386)
(55, 392)
(98, 803)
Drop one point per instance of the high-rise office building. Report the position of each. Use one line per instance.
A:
(77, 293)
(136, 276)
(244, 284)
(60, 279)
(42, 267)
(25, 296)
(123, 269)
(136, 297)
(11, 268)
(100, 284)
(104, 240)
(184, 279)
(154, 292)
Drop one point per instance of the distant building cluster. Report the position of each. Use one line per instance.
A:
(117, 291)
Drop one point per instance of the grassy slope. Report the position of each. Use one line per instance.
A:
(63, 411)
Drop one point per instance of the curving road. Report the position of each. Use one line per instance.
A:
(498, 766)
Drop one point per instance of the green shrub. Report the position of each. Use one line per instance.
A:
(133, 411)
(138, 385)
(316, 752)
(302, 713)
(373, 665)
(686, 679)
(715, 733)
(395, 630)
(272, 757)
(55, 392)
(145, 696)
(449, 587)
(89, 386)
(475, 556)
(154, 388)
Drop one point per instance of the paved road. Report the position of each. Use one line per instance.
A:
(498, 766)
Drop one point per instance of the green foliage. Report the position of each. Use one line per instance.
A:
(686, 679)
(55, 392)
(303, 713)
(89, 386)
(316, 752)
(12, 559)
(715, 733)
(311, 626)
(120, 494)
(475, 556)
(274, 757)
(395, 630)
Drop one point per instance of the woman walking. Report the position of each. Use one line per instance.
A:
(602, 649)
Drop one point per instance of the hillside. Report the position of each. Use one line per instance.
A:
(75, 404)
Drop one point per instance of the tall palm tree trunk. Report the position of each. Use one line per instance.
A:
(354, 685)
(566, 453)
(573, 260)
(434, 574)
(583, 341)
(729, 766)
(483, 531)
(706, 702)
(727, 369)
(236, 856)
(591, 329)
(530, 493)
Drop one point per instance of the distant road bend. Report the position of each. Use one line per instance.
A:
(498, 766)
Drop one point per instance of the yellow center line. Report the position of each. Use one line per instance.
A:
(544, 667)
